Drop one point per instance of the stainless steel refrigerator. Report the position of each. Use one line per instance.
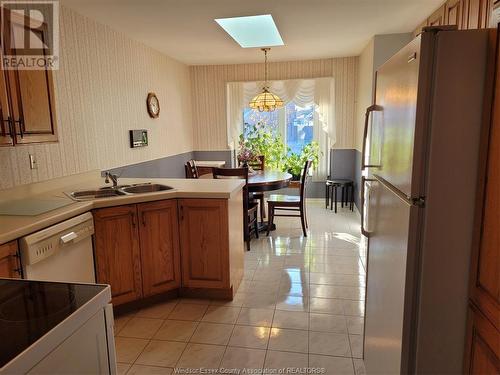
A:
(420, 159)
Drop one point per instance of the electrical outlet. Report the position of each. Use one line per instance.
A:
(33, 162)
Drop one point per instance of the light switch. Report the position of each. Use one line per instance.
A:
(33, 162)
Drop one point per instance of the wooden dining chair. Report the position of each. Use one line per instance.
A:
(290, 203)
(250, 220)
(259, 165)
(191, 169)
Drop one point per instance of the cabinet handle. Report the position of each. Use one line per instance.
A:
(181, 208)
(10, 125)
(143, 219)
(20, 122)
(133, 219)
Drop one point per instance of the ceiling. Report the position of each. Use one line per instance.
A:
(311, 29)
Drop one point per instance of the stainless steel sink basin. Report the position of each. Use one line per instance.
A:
(145, 188)
(120, 190)
(84, 195)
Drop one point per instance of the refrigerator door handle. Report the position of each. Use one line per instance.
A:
(369, 110)
(365, 232)
(418, 201)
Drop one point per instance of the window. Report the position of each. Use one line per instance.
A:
(295, 124)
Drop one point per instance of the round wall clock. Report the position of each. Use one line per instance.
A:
(153, 105)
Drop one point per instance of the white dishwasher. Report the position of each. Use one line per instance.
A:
(62, 252)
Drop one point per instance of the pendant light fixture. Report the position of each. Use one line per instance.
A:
(266, 101)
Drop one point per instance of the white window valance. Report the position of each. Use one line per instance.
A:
(303, 92)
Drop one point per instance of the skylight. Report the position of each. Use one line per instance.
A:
(252, 31)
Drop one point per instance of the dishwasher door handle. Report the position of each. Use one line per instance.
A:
(68, 237)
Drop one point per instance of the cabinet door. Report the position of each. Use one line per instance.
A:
(485, 279)
(160, 255)
(437, 18)
(483, 345)
(6, 136)
(117, 253)
(454, 10)
(31, 91)
(204, 240)
(476, 14)
(9, 260)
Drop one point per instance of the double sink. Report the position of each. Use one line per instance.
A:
(117, 191)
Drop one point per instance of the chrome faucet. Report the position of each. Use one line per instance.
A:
(109, 176)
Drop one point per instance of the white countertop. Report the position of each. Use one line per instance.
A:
(13, 227)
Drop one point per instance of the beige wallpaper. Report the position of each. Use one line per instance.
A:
(365, 92)
(209, 94)
(100, 91)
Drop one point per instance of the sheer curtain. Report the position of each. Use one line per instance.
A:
(303, 92)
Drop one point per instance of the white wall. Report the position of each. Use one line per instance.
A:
(375, 54)
(101, 91)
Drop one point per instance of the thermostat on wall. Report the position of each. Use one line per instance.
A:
(138, 138)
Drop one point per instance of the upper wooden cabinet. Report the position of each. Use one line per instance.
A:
(26, 96)
(117, 252)
(205, 243)
(159, 242)
(476, 14)
(438, 17)
(9, 260)
(453, 13)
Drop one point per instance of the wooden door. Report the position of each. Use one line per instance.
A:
(31, 91)
(483, 336)
(437, 18)
(159, 239)
(10, 265)
(482, 350)
(6, 131)
(476, 14)
(117, 253)
(453, 15)
(204, 243)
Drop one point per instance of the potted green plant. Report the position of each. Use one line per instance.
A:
(295, 162)
(260, 139)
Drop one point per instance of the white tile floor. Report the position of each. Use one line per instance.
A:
(301, 304)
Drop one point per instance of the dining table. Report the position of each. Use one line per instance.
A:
(263, 181)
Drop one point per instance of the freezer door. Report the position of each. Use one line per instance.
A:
(388, 298)
(393, 129)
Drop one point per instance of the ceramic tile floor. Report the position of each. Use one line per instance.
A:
(300, 305)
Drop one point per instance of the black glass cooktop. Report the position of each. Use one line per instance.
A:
(29, 309)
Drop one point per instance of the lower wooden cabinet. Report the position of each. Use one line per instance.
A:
(10, 265)
(117, 252)
(203, 227)
(188, 244)
(159, 243)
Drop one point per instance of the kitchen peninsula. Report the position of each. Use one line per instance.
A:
(183, 241)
